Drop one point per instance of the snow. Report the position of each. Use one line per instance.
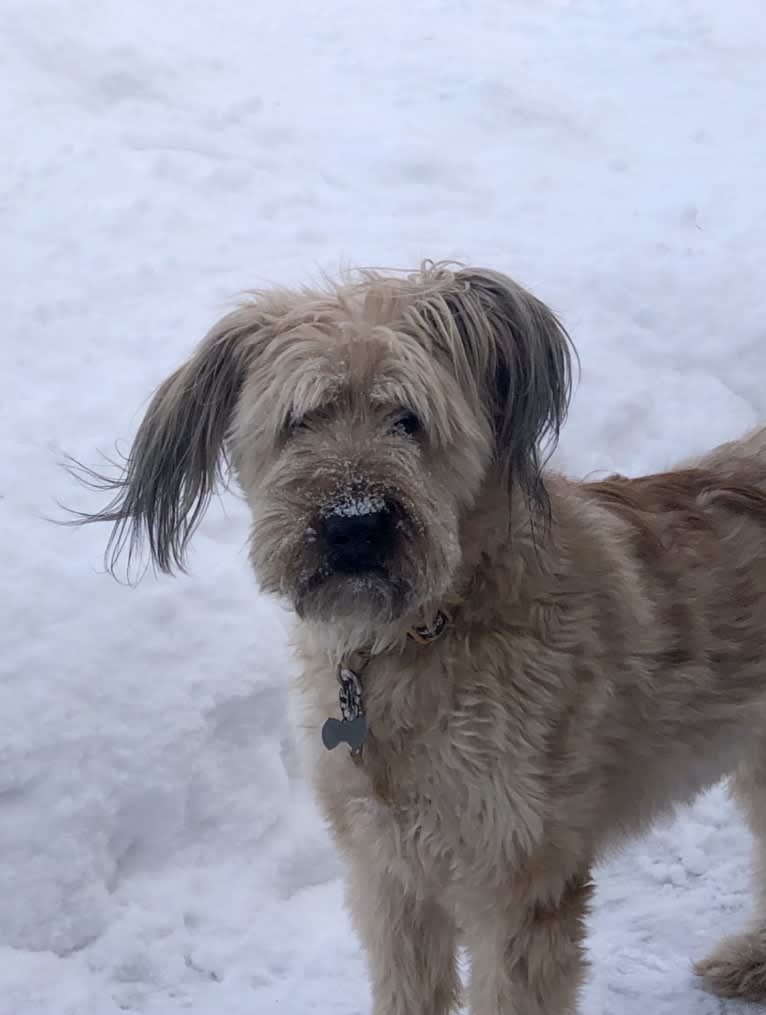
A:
(158, 849)
(346, 505)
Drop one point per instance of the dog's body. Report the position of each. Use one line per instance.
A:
(605, 657)
(587, 685)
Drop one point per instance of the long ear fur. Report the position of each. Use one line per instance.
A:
(513, 355)
(178, 455)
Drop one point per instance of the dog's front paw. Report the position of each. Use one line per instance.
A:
(737, 968)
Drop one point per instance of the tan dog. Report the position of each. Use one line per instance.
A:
(530, 668)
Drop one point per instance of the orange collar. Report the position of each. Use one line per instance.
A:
(424, 634)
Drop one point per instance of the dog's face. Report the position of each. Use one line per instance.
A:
(361, 422)
(359, 454)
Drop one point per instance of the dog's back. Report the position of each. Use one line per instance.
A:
(742, 460)
(692, 686)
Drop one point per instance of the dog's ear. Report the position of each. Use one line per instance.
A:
(178, 455)
(518, 356)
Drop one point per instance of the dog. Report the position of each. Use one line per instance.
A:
(504, 672)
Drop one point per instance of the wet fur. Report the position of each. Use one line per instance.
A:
(607, 658)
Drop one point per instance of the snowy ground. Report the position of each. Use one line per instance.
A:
(157, 850)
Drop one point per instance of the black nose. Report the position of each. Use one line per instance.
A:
(358, 542)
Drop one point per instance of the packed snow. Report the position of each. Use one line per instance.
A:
(159, 851)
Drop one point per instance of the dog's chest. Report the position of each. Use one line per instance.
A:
(435, 788)
(432, 812)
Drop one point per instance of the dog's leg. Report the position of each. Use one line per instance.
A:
(737, 968)
(410, 944)
(534, 963)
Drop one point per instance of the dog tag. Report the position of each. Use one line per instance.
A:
(349, 731)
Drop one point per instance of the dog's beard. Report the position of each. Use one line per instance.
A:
(370, 598)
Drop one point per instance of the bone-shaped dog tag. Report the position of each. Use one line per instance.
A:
(349, 731)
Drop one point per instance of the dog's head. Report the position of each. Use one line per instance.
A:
(361, 422)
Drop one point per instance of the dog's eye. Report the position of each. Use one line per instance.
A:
(311, 420)
(295, 424)
(407, 424)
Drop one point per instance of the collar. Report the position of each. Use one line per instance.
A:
(352, 728)
(424, 634)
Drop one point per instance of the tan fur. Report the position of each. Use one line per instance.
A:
(607, 659)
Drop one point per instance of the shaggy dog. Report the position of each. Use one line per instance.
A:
(517, 671)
